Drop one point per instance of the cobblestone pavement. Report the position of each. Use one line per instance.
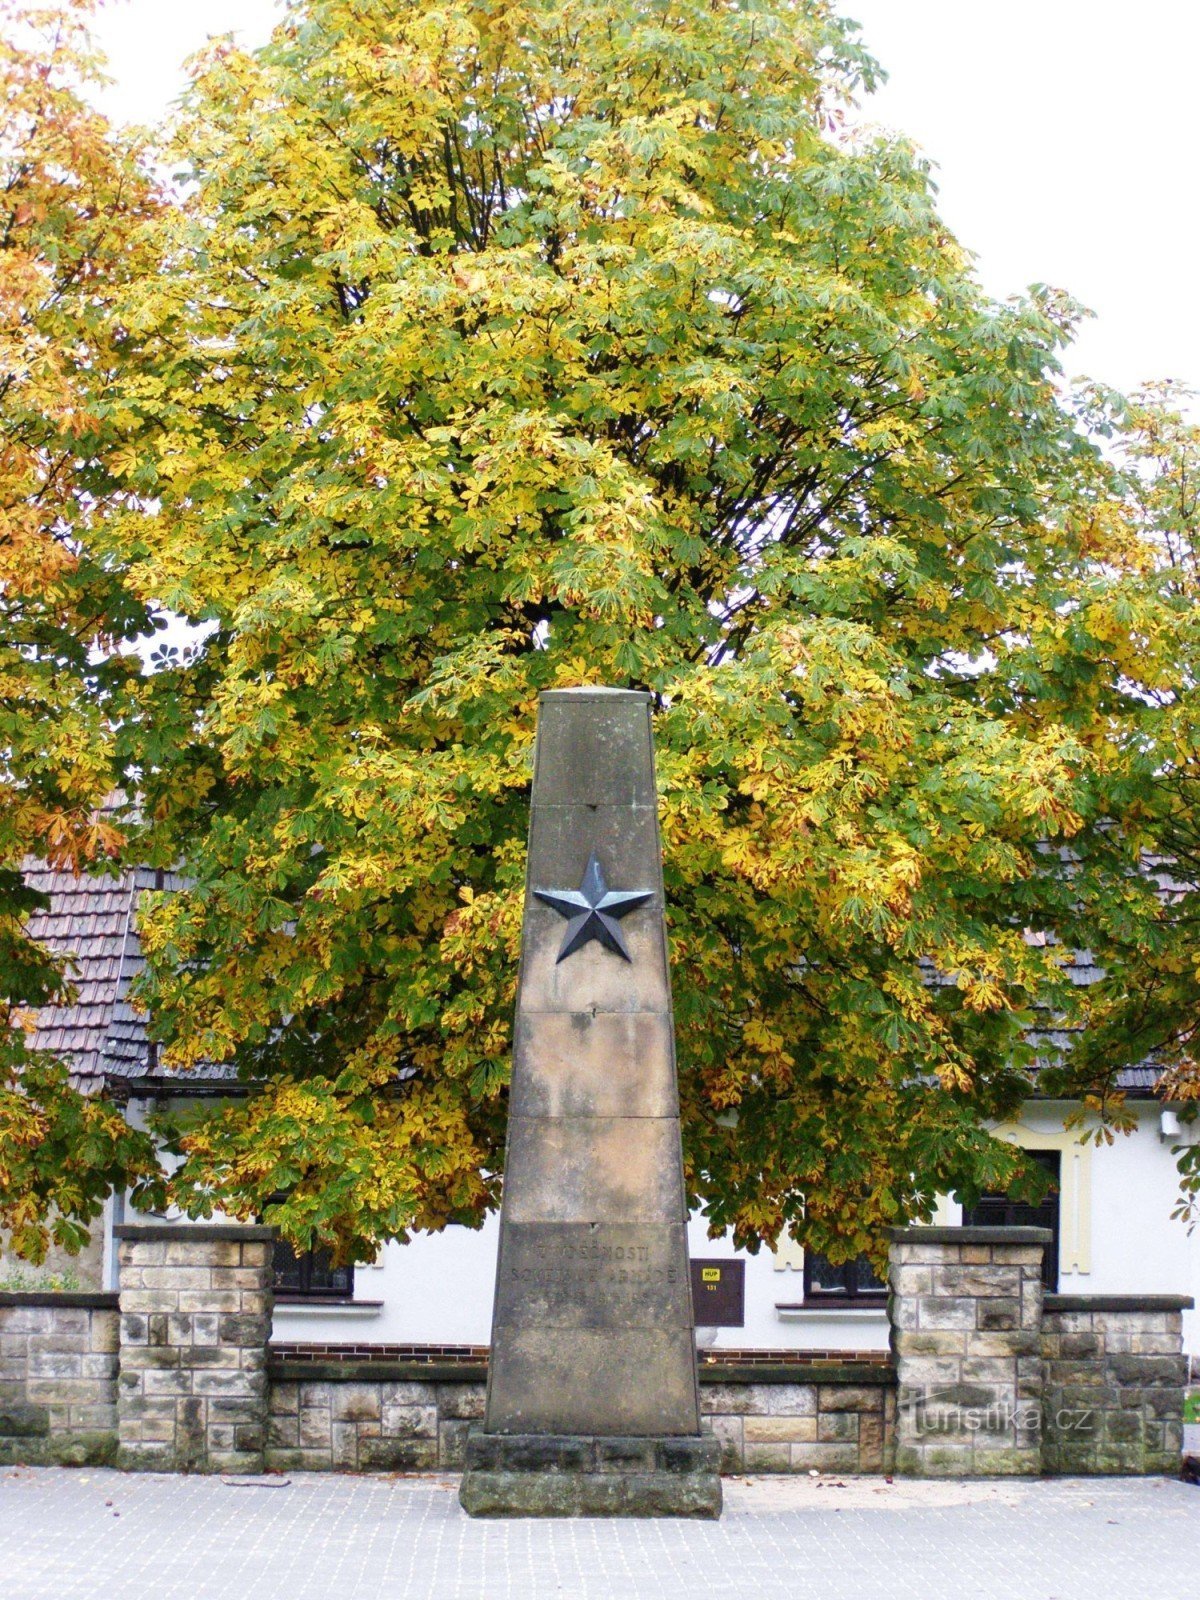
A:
(112, 1536)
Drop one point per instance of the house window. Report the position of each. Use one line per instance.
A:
(852, 1283)
(310, 1274)
(999, 1211)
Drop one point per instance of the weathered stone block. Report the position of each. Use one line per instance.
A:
(343, 1437)
(767, 1457)
(399, 1455)
(934, 1311)
(455, 1401)
(837, 1427)
(206, 1300)
(315, 1429)
(999, 1315)
(946, 1342)
(849, 1397)
(283, 1432)
(977, 1283)
(23, 1421)
(779, 1430)
(145, 1300)
(356, 1402)
(823, 1457)
(785, 1399)
(726, 1399)
(871, 1455)
(452, 1442)
(728, 1431)
(410, 1422)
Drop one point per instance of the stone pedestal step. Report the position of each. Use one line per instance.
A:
(586, 1475)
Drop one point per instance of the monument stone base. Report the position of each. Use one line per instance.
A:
(581, 1475)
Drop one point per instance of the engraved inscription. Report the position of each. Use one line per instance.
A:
(585, 1262)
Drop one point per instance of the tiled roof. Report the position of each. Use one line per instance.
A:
(92, 922)
(87, 921)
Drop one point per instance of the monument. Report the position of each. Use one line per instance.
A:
(592, 1404)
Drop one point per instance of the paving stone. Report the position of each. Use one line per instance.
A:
(796, 1539)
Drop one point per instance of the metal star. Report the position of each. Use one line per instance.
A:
(592, 910)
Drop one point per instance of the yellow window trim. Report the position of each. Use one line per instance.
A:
(1074, 1200)
(1075, 1192)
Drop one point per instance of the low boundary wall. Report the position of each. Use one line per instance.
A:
(987, 1376)
(414, 1416)
(58, 1378)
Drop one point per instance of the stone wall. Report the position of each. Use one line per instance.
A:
(392, 1416)
(797, 1419)
(985, 1378)
(1114, 1383)
(58, 1378)
(414, 1416)
(195, 1320)
(966, 1310)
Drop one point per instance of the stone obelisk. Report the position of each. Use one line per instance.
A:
(592, 1405)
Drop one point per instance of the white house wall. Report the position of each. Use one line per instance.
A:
(1123, 1240)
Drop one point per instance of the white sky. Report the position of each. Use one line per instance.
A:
(1065, 132)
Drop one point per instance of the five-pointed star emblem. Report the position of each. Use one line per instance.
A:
(592, 910)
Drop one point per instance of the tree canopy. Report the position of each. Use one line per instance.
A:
(496, 347)
(73, 199)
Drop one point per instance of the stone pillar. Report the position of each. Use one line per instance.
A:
(196, 1306)
(1115, 1382)
(593, 1405)
(966, 1311)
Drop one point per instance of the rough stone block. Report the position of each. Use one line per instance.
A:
(767, 1457)
(837, 1427)
(343, 1446)
(146, 1300)
(284, 1399)
(823, 1457)
(908, 1282)
(283, 1432)
(977, 1283)
(452, 1442)
(399, 1455)
(206, 1300)
(315, 1429)
(785, 1399)
(410, 1422)
(871, 1444)
(728, 1431)
(999, 1315)
(849, 1397)
(946, 1342)
(727, 1399)
(779, 1430)
(356, 1402)
(935, 1311)
(453, 1400)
